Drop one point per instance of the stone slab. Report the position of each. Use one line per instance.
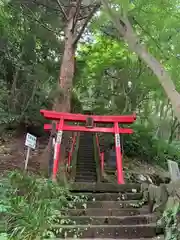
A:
(108, 212)
(109, 231)
(105, 187)
(173, 170)
(113, 220)
(111, 196)
(106, 204)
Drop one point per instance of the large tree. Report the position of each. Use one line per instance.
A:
(118, 13)
(76, 15)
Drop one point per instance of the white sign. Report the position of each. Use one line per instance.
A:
(30, 141)
(55, 151)
(59, 137)
(117, 140)
(173, 170)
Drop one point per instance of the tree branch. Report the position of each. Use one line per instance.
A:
(131, 38)
(62, 9)
(151, 37)
(119, 23)
(94, 9)
(38, 21)
(44, 5)
(78, 7)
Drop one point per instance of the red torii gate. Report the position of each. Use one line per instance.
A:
(61, 126)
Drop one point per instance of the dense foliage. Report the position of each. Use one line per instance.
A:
(144, 145)
(170, 219)
(109, 78)
(30, 207)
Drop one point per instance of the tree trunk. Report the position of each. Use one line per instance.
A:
(127, 33)
(63, 101)
(157, 68)
(67, 67)
(73, 32)
(174, 127)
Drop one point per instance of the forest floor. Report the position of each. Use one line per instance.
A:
(13, 154)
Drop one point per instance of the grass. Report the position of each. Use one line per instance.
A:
(29, 206)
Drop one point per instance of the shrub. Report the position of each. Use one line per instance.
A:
(29, 206)
(142, 144)
(171, 218)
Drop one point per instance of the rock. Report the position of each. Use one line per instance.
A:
(149, 179)
(171, 202)
(142, 178)
(173, 188)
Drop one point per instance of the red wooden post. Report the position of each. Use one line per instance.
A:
(71, 151)
(102, 163)
(101, 154)
(119, 165)
(97, 142)
(57, 148)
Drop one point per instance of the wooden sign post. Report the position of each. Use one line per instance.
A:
(30, 143)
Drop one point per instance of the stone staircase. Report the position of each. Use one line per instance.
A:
(103, 210)
(110, 211)
(86, 165)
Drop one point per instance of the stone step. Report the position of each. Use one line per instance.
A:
(109, 169)
(108, 211)
(86, 155)
(87, 168)
(93, 180)
(89, 160)
(109, 204)
(88, 141)
(87, 180)
(111, 196)
(86, 146)
(113, 220)
(155, 238)
(105, 187)
(88, 175)
(108, 231)
(86, 163)
(83, 173)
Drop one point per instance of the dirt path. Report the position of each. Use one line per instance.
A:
(13, 153)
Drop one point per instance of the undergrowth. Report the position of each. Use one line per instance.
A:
(143, 145)
(29, 207)
(171, 221)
